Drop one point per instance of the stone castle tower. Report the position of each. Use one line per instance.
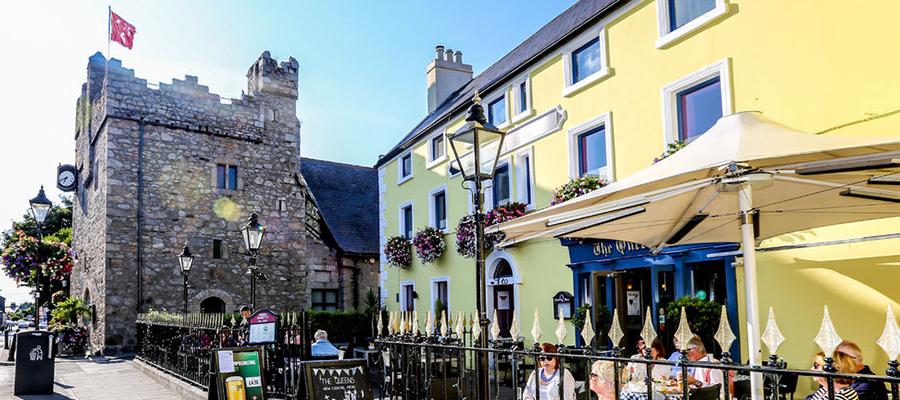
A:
(163, 166)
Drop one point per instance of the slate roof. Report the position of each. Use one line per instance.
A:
(568, 24)
(347, 197)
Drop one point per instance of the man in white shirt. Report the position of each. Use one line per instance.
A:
(703, 376)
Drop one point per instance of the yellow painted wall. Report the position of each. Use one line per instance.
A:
(808, 64)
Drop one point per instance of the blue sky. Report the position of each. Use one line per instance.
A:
(362, 68)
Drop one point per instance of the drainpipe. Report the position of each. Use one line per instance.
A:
(140, 218)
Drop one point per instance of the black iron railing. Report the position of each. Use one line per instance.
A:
(181, 346)
(413, 367)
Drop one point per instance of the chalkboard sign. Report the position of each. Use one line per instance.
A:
(338, 380)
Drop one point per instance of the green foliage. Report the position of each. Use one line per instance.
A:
(603, 318)
(672, 148)
(59, 217)
(16, 316)
(438, 307)
(702, 317)
(64, 235)
(68, 311)
(342, 326)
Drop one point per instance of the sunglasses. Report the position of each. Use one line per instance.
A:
(691, 348)
(545, 358)
(594, 376)
(816, 365)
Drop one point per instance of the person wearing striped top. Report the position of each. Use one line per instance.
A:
(842, 389)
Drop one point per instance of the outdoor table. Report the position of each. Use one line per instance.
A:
(642, 395)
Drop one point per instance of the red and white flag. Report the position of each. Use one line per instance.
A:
(120, 30)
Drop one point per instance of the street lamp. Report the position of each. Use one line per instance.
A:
(484, 140)
(40, 207)
(186, 259)
(253, 233)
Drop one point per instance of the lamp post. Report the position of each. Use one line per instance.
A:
(253, 233)
(186, 260)
(40, 207)
(481, 137)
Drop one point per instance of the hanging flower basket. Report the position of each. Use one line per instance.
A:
(576, 187)
(465, 230)
(670, 149)
(429, 243)
(397, 252)
(22, 259)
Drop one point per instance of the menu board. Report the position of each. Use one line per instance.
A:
(338, 380)
(263, 325)
(238, 374)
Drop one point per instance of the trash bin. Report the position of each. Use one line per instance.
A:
(34, 362)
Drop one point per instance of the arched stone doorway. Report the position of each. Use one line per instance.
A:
(197, 301)
(212, 305)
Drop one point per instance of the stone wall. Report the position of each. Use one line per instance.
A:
(166, 143)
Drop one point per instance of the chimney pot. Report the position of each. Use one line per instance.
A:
(439, 50)
(458, 57)
(449, 54)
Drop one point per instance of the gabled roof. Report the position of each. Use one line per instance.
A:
(568, 24)
(347, 198)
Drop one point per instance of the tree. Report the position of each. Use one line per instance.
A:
(58, 219)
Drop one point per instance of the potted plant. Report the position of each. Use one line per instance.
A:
(465, 230)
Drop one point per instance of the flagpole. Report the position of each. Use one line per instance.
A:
(108, 41)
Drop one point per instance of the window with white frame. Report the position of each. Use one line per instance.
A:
(405, 168)
(437, 149)
(525, 178)
(679, 18)
(584, 61)
(590, 149)
(693, 104)
(521, 100)
(500, 188)
(407, 296)
(437, 208)
(440, 290)
(406, 220)
(497, 111)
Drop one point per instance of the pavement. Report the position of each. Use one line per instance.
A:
(94, 378)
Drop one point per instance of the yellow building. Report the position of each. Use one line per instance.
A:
(601, 90)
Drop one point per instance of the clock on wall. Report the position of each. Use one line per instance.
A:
(66, 177)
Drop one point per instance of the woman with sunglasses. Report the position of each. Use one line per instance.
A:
(842, 388)
(549, 378)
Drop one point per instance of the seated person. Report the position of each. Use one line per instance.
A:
(550, 378)
(675, 356)
(703, 376)
(602, 380)
(866, 389)
(842, 388)
(322, 347)
(660, 372)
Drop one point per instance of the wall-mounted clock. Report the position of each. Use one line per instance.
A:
(66, 178)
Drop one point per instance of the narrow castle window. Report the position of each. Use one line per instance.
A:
(226, 176)
(217, 249)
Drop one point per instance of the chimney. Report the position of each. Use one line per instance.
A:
(446, 73)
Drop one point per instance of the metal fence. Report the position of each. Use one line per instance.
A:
(181, 346)
(415, 367)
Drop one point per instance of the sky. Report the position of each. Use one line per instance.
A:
(362, 69)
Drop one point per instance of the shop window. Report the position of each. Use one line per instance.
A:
(324, 300)
(709, 281)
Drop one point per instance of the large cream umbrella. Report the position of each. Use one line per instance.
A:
(768, 178)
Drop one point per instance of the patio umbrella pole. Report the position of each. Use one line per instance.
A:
(745, 199)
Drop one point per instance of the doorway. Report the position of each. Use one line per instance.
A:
(212, 305)
(504, 297)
